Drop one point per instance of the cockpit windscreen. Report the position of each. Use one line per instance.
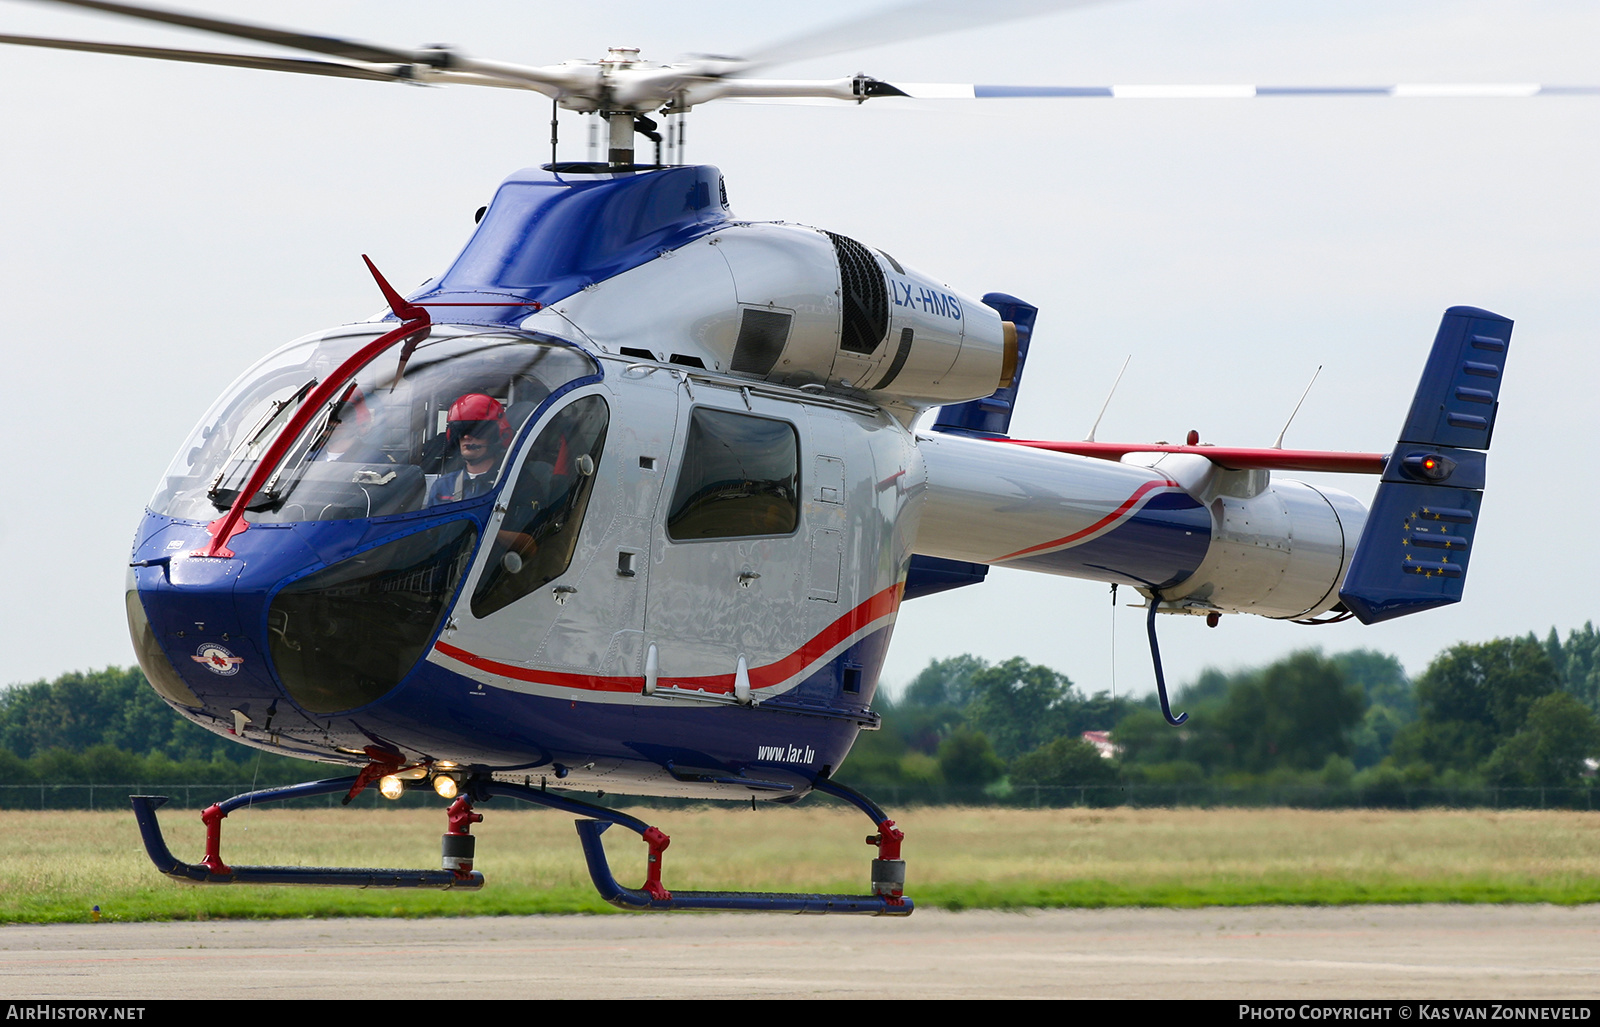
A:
(426, 422)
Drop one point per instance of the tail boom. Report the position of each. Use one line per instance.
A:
(1205, 529)
(1173, 525)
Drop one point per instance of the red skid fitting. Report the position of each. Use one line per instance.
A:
(888, 870)
(459, 844)
(462, 817)
(887, 840)
(212, 816)
(658, 842)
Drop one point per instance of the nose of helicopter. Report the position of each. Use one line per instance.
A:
(193, 645)
(330, 615)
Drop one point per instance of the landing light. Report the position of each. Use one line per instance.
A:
(445, 785)
(391, 787)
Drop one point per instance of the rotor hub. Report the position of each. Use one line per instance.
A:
(621, 57)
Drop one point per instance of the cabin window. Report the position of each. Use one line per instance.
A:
(539, 532)
(740, 477)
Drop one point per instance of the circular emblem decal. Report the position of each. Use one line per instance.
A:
(217, 660)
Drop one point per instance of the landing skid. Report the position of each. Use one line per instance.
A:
(211, 869)
(888, 870)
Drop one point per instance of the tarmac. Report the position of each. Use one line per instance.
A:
(1349, 952)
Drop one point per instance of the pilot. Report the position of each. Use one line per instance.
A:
(477, 425)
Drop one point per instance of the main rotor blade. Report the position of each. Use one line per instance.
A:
(898, 24)
(1414, 90)
(332, 45)
(292, 64)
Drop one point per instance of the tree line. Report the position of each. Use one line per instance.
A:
(1511, 712)
(109, 727)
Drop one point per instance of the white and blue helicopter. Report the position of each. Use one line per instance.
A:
(627, 499)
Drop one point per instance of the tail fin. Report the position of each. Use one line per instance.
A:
(991, 415)
(1414, 550)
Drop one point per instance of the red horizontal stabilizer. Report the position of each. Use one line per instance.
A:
(1234, 458)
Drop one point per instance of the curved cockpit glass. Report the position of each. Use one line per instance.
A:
(426, 422)
(543, 510)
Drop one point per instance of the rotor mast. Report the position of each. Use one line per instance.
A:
(620, 153)
(619, 122)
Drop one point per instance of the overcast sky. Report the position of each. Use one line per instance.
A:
(162, 225)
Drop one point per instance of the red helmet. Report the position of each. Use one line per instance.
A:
(473, 414)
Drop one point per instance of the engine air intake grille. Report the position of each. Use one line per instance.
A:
(866, 299)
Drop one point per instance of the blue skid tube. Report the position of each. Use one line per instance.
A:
(594, 852)
(598, 818)
(888, 871)
(144, 810)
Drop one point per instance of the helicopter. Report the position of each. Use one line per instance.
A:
(598, 587)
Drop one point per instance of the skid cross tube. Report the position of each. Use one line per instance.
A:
(655, 897)
(211, 869)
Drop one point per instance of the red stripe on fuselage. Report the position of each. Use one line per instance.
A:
(880, 605)
(1119, 512)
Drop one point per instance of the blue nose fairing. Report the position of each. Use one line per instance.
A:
(307, 620)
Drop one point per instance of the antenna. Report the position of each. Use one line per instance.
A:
(1096, 426)
(1303, 395)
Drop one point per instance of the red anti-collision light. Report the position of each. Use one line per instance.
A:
(1428, 466)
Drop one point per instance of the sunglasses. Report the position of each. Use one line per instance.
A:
(485, 431)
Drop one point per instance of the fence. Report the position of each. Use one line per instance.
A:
(198, 796)
(180, 796)
(1384, 796)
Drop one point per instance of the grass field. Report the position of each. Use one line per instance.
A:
(55, 866)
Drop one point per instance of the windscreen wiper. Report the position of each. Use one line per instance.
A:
(214, 490)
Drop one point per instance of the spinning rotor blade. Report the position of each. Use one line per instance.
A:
(294, 64)
(1466, 90)
(331, 45)
(912, 21)
(627, 87)
(368, 61)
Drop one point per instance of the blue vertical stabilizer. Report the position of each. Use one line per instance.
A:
(991, 415)
(1414, 551)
